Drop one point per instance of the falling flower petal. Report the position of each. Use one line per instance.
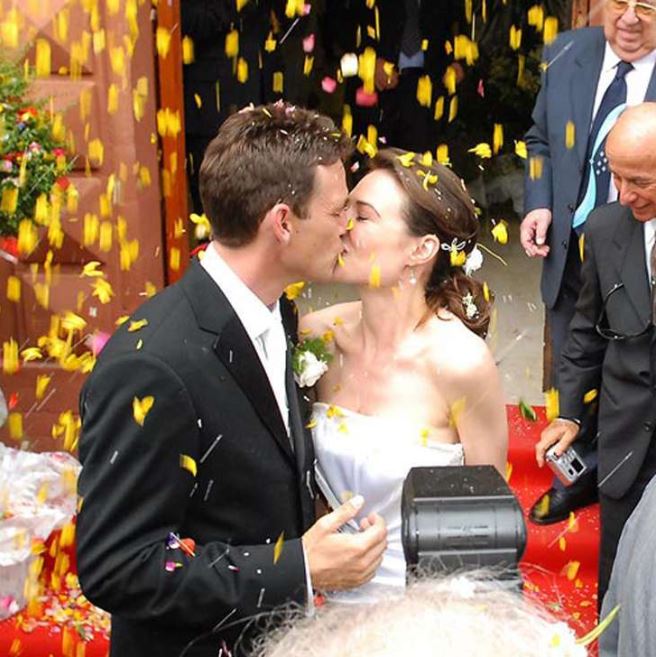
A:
(277, 548)
(141, 408)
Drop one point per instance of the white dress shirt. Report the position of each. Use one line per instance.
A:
(637, 81)
(650, 236)
(262, 324)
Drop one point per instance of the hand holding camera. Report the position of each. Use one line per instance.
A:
(555, 448)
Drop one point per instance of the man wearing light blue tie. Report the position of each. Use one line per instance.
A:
(590, 76)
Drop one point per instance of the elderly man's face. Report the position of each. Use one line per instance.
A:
(634, 176)
(630, 27)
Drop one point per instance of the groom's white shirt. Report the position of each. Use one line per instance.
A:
(266, 332)
(262, 324)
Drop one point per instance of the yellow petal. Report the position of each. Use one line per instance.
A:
(187, 50)
(456, 411)
(15, 425)
(570, 134)
(424, 91)
(277, 548)
(141, 408)
(374, 275)
(31, 353)
(43, 58)
(188, 463)
(590, 396)
(42, 383)
(520, 149)
(571, 570)
(482, 150)
(500, 232)
(72, 322)
(232, 43)
(551, 402)
(163, 41)
(293, 290)
(497, 138)
(13, 289)
(102, 290)
(91, 269)
(137, 325)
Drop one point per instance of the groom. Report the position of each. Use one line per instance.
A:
(197, 480)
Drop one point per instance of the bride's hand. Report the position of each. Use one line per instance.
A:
(342, 560)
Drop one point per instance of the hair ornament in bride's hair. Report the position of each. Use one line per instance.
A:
(456, 251)
(468, 303)
(474, 261)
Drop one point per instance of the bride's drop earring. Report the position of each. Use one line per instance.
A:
(412, 278)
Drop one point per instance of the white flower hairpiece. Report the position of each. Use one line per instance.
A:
(469, 305)
(474, 261)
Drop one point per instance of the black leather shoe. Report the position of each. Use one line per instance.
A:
(557, 503)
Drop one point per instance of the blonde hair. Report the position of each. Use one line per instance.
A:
(458, 616)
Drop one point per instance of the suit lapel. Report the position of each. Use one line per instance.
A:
(235, 349)
(651, 87)
(629, 238)
(583, 84)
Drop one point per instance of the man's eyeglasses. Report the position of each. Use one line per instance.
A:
(610, 334)
(642, 9)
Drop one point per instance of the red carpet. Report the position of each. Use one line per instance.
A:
(560, 562)
(560, 567)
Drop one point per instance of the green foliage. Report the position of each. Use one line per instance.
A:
(32, 159)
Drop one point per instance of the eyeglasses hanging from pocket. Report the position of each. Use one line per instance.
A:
(611, 334)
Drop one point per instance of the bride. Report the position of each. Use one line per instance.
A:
(411, 381)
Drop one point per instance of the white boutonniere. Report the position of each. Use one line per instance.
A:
(310, 361)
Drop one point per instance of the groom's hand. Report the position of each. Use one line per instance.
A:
(341, 560)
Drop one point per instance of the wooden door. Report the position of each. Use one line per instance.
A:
(102, 84)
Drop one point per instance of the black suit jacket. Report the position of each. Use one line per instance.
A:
(350, 26)
(625, 370)
(213, 412)
(211, 88)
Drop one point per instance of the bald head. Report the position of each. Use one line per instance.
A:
(631, 151)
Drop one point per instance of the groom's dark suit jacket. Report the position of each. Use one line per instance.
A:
(625, 370)
(213, 412)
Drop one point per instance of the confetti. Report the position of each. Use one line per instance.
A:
(374, 275)
(500, 232)
(590, 396)
(137, 325)
(552, 403)
(294, 290)
(188, 463)
(277, 548)
(141, 408)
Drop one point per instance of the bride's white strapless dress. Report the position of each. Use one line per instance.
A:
(371, 456)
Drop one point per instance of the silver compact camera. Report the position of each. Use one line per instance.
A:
(568, 467)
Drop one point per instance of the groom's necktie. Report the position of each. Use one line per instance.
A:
(596, 180)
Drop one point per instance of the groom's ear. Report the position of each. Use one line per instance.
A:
(425, 250)
(279, 220)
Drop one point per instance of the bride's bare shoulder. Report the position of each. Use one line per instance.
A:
(328, 319)
(456, 351)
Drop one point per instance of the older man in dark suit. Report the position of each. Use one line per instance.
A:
(590, 75)
(197, 468)
(612, 344)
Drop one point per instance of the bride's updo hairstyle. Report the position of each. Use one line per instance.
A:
(437, 203)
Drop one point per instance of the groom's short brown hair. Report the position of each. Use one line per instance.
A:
(263, 156)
